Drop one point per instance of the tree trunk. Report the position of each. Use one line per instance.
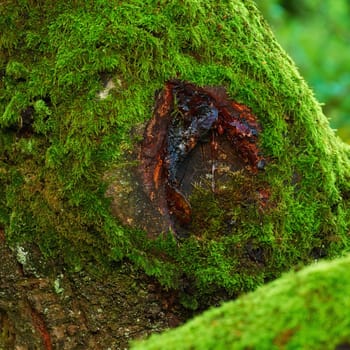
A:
(156, 158)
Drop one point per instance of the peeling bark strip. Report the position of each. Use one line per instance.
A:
(185, 116)
(40, 326)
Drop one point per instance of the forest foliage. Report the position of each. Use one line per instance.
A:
(316, 35)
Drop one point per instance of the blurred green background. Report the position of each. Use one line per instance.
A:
(316, 34)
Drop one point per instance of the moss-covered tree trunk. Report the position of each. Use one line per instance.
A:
(156, 157)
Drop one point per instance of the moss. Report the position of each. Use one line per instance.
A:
(303, 310)
(58, 138)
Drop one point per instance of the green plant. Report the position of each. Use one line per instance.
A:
(59, 139)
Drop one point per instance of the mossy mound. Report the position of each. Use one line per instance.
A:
(59, 138)
(304, 310)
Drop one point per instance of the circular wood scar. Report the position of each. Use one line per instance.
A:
(196, 136)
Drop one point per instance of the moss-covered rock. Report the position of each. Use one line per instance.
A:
(77, 78)
(304, 310)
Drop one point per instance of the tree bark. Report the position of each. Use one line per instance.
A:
(156, 158)
(43, 306)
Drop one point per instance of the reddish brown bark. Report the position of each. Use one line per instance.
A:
(185, 117)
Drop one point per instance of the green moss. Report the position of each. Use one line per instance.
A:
(304, 310)
(58, 139)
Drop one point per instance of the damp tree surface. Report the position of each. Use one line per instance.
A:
(196, 136)
(156, 159)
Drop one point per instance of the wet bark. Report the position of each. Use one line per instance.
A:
(42, 306)
(196, 137)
